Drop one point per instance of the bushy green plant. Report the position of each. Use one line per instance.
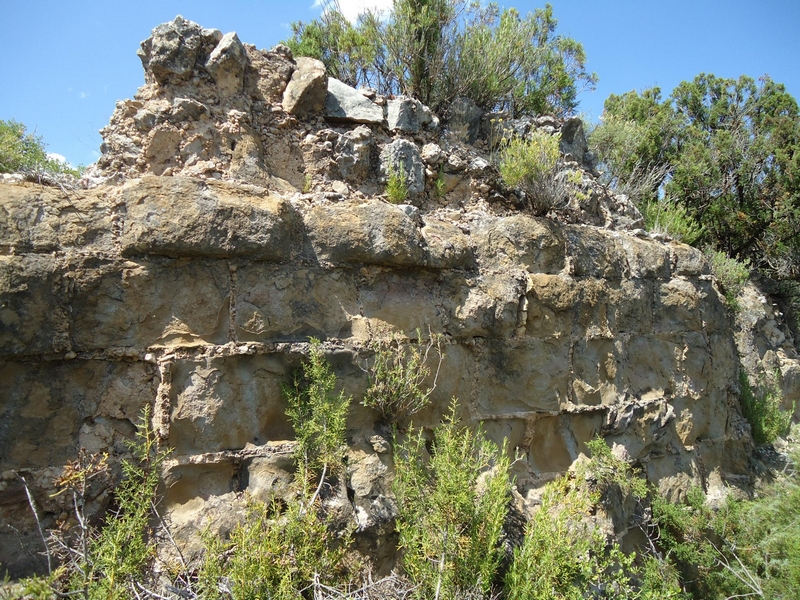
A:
(25, 153)
(731, 275)
(531, 165)
(607, 470)
(746, 548)
(762, 406)
(274, 554)
(397, 376)
(318, 416)
(662, 215)
(124, 546)
(725, 151)
(396, 185)
(564, 556)
(451, 509)
(105, 563)
(438, 50)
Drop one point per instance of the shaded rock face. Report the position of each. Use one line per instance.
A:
(192, 280)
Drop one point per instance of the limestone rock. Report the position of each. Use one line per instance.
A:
(371, 233)
(464, 120)
(346, 104)
(353, 153)
(573, 142)
(173, 49)
(406, 115)
(308, 88)
(404, 156)
(227, 63)
(172, 216)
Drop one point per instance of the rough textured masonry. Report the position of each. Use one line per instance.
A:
(238, 210)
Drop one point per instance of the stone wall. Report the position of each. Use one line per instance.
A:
(195, 290)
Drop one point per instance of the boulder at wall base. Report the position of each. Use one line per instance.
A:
(344, 103)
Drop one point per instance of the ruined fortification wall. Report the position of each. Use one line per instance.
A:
(221, 231)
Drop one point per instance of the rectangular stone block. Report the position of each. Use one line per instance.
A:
(33, 309)
(182, 217)
(35, 218)
(150, 303)
(226, 403)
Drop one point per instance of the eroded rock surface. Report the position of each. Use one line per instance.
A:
(229, 231)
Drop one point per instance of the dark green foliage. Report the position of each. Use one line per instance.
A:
(318, 416)
(274, 554)
(731, 275)
(727, 151)
(438, 50)
(744, 549)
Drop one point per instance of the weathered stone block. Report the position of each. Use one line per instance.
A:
(150, 303)
(33, 313)
(288, 304)
(176, 216)
(373, 233)
(595, 252)
(202, 419)
(42, 219)
(535, 244)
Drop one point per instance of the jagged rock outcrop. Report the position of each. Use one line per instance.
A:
(229, 231)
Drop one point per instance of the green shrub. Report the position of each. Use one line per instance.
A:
(22, 152)
(607, 470)
(661, 215)
(397, 376)
(438, 50)
(397, 185)
(105, 563)
(532, 165)
(274, 554)
(564, 556)
(730, 274)
(318, 417)
(451, 509)
(762, 406)
(746, 548)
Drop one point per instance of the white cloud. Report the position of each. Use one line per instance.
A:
(57, 157)
(352, 8)
(84, 94)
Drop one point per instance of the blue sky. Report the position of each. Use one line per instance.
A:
(65, 64)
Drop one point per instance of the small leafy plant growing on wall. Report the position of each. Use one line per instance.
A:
(397, 378)
(318, 416)
(396, 185)
(531, 165)
(762, 406)
(109, 562)
(731, 275)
